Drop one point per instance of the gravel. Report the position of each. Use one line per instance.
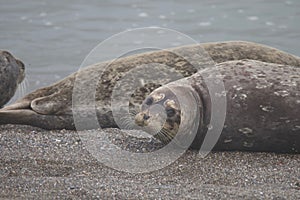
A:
(36, 163)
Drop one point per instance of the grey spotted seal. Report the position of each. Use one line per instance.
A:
(262, 107)
(51, 107)
(12, 73)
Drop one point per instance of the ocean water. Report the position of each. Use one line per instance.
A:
(53, 37)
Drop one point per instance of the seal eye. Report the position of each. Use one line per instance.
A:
(158, 97)
(149, 101)
(170, 112)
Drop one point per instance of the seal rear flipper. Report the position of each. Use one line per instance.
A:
(29, 117)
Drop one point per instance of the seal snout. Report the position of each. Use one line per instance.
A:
(146, 117)
(141, 119)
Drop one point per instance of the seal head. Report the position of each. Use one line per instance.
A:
(169, 114)
(12, 73)
(160, 115)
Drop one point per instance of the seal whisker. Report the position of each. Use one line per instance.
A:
(22, 88)
(127, 123)
(133, 113)
(167, 133)
(165, 136)
(26, 82)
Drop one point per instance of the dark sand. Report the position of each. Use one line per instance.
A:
(55, 164)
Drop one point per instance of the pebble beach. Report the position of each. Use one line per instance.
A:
(36, 163)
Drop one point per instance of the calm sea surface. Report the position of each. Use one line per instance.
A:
(53, 37)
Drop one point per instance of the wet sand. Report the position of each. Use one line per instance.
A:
(55, 164)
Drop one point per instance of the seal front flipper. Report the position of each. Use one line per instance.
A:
(46, 107)
(51, 104)
(25, 102)
(48, 112)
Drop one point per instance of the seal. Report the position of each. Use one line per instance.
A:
(262, 108)
(12, 73)
(51, 107)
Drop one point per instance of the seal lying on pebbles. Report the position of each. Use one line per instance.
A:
(262, 109)
(51, 107)
(12, 73)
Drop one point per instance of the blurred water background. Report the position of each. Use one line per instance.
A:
(53, 37)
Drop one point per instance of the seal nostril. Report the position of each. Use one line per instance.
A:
(146, 117)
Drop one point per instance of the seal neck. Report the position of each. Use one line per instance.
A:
(201, 93)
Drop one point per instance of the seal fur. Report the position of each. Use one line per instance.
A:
(12, 73)
(51, 107)
(262, 113)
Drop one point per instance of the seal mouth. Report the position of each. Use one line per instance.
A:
(162, 128)
(142, 119)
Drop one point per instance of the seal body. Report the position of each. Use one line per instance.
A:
(12, 73)
(262, 107)
(51, 107)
